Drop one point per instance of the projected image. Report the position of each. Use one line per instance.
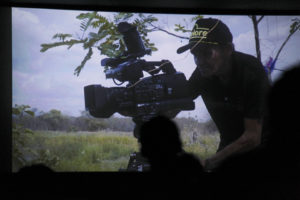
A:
(84, 82)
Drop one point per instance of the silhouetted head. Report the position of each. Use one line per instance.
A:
(159, 138)
(37, 169)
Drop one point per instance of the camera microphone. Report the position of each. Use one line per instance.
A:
(132, 39)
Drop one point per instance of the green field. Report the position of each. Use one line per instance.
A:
(97, 151)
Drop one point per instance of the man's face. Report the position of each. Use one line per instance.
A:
(209, 60)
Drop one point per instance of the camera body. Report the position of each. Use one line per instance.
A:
(141, 98)
(151, 96)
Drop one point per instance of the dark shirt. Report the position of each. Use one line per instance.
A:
(243, 97)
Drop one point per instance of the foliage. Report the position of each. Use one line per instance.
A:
(96, 125)
(192, 125)
(20, 110)
(20, 136)
(184, 28)
(83, 151)
(54, 120)
(107, 148)
(100, 151)
(103, 35)
(294, 27)
(70, 43)
(22, 153)
(201, 145)
(61, 36)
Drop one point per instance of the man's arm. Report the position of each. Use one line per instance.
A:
(249, 140)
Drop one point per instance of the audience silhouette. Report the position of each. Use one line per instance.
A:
(162, 146)
(282, 154)
(280, 160)
(36, 169)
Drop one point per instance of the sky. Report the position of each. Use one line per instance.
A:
(45, 80)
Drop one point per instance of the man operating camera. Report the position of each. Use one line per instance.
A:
(233, 86)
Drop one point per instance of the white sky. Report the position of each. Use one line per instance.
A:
(45, 80)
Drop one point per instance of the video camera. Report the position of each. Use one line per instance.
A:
(141, 98)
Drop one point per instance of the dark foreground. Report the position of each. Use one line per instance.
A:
(125, 185)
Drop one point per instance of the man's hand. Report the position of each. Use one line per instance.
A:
(202, 163)
(167, 67)
(209, 165)
(247, 142)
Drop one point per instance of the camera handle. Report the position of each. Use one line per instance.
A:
(165, 65)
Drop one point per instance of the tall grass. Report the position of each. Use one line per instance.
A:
(82, 151)
(100, 151)
(201, 145)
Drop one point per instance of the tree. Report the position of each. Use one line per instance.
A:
(103, 35)
(294, 27)
(255, 22)
(95, 124)
(20, 136)
(55, 120)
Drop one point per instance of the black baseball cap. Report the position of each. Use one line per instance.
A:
(208, 31)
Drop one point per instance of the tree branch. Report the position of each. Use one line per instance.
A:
(160, 29)
(256, 36)
(70, 43)
(261, 17)
(296, 28)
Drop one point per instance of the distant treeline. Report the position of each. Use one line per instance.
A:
(54, 120)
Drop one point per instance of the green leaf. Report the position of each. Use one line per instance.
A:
(89, 44)
(149, 19)
(295, 25)
(153, 48)
(20, 109)
(25, 107)
(292, 27)
(181, 28)
(101, 18)
(29, 112)
(70, 43)
(86, 15)
(16, 111)
(16, 132)
(61, 36)
(86, 58)
(99, 21)
(28, 131)
(87, 19)
(122, 16)
(98, 36)
(196, 18)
